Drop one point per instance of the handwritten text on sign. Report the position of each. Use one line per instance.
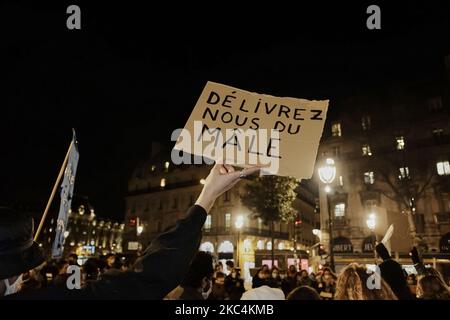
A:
(244, 128)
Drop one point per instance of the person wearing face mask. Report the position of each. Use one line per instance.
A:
(161, 267)
(274, 281)
(234, 285)
(197, 285)
(259, 279)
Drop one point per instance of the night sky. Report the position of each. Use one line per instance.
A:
(132, 75)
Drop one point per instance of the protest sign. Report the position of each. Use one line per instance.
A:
(244, 128)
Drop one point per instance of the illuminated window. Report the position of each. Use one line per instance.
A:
(341, 181)
(247, 245)
(208, 222)
(400, 142)
(281, 246)
(336, 129)
(153, 168)
(207, 247)
(166, 166)
(443, 168)
(260, 223)
(365, 123)
(269, 245)
(404, 173)
(260, 245)
(227, 221)
(369, 177)
(339, 209)
(366, 150)
(163, 183)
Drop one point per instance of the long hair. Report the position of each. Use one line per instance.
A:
(432, 286)
(352, 285)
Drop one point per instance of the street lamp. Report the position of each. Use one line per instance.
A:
(327, 173)
(139, 227)
(239, 223)
(371, 224)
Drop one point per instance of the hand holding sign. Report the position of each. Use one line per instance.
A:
(222, 178)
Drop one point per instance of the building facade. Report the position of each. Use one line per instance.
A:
(160, 193)
(392, 153)
(85, 235)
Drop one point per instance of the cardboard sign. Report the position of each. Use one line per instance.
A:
(245, 128)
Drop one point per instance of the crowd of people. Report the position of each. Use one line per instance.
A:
(172, 268)
(352, 283)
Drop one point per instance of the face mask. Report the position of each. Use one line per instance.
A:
(282, 276)
(274, 275)
(206, 294)
(12, 288)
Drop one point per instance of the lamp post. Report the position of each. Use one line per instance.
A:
(371, 224)
(239, 223)
(327, 173)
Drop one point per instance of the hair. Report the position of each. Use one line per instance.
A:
(431, 286)
(201, 267)
(220, 275)
(91, 269)
(303, 293)
(303, 271)
(352, 285)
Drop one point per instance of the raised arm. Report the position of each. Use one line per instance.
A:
(166, 260)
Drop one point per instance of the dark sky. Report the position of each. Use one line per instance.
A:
(132, 74)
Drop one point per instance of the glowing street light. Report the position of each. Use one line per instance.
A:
(239, 223)
(327, 173)
(371, 222)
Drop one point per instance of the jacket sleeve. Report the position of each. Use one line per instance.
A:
(162, 266)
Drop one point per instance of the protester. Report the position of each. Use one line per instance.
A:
(60, 279)
(229, 264)
(431, 287)
(260, 279)
(218, 289)
(197, 285)
(303, 279)
(328, 286)
(392, 273)
(218, 268)
(411, 280)
(234, 285)
(91, 270)
(291, 279)
(264, 293)
(72, 259)
(173, 249)
(352, 285)
(275, 280)
(303, 293)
